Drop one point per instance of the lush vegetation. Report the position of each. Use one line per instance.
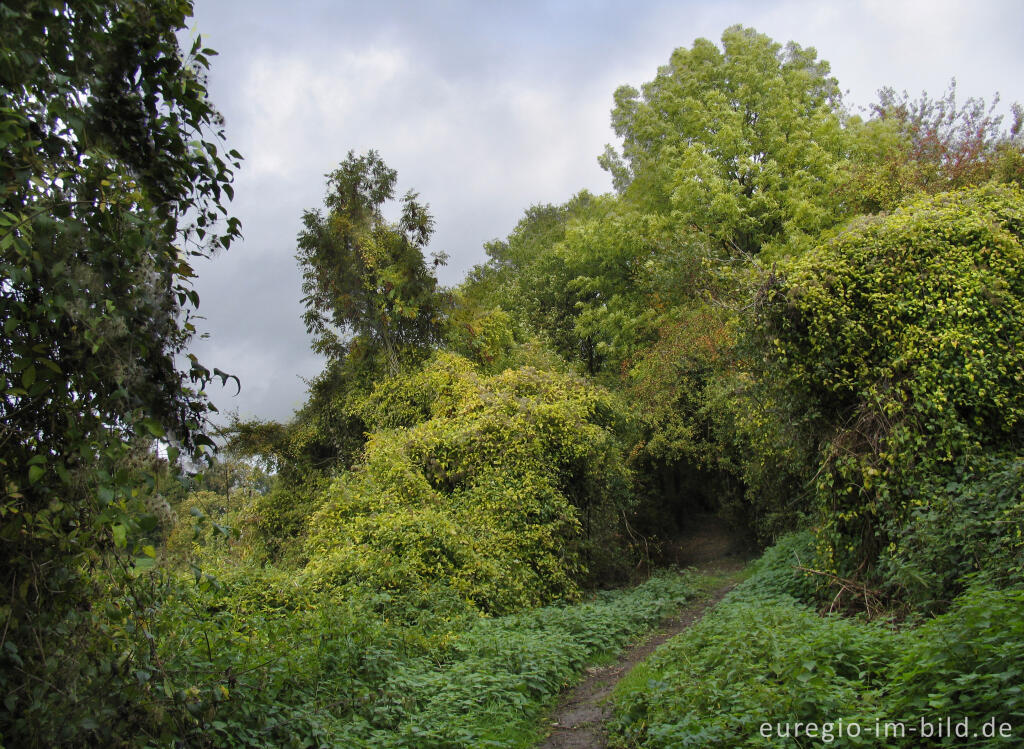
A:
(764, 668)
(791, 316)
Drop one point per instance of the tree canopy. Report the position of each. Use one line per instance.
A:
(112, 181)
(740, 143)
(366, 283)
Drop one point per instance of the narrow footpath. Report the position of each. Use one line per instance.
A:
(579, 720)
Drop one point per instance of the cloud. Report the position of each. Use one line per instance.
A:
(485, 109)
(287, 99)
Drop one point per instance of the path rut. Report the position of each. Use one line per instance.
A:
(579, 720)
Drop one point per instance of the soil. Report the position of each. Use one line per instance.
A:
(579, 720)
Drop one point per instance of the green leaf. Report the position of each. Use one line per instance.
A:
(154, 427)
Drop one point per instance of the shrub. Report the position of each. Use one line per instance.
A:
(503, 488)
(904, 337)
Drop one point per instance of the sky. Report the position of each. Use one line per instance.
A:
(486, 108)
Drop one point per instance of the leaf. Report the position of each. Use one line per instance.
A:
(154, 427)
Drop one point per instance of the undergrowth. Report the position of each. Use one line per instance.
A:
(286, 669)
(765, 669)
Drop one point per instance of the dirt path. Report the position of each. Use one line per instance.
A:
(579, 720)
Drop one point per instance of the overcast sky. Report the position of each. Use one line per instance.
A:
(486, 108)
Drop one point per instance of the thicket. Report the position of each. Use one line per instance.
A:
(903, 338)
(505, 489)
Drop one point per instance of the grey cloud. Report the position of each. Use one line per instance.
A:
(485, 109)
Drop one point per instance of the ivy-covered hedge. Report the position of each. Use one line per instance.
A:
(503, 488)
(904, 338)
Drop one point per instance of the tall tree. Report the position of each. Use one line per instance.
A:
(112, 181)
(740, 143)
(367, 285)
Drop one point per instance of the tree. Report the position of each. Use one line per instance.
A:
(740, 143)
(366, 283)
(926, 146)
(372, 304)
(545, 281)
(113, 182)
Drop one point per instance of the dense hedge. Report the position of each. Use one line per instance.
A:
(904, 337)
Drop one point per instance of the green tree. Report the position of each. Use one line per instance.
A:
(740, 143)
(367, 286)
(112, 181)
(372, 305)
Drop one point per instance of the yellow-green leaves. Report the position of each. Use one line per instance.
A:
(480, 484)
(906, 334)
(742, 143)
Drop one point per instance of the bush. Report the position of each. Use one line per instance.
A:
(225, 665)
(503, 488)
(972, 524)
(903, 337)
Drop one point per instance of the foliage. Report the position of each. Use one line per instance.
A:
(372, 305)
(326, 435)
(367, 287)
(489, 337)
(777, 572)
(971, 523)
(680, 465)
(332, 581)
(533, 282)
(903, 337)
(967, 662)
(210, 523)
(113, 183)
(496, 678)
(741, 143)
(928, 146)
(501, 487)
